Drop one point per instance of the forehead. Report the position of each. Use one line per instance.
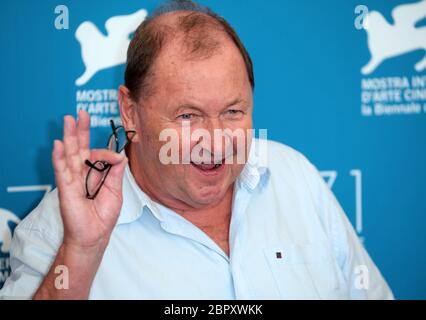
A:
(219, 76)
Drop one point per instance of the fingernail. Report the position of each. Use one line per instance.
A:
(80, 113)
(68, 119)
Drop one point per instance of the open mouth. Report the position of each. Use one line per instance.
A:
(207, 167)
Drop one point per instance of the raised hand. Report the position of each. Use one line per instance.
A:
(87, 223)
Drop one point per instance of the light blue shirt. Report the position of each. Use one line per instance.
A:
(289, 239)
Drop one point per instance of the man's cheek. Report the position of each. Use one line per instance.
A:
(185, 150)
(240, 146)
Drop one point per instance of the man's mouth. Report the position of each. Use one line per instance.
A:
(208, 167)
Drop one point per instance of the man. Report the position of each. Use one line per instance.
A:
(210, 229)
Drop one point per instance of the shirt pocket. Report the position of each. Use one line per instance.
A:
(303, 271)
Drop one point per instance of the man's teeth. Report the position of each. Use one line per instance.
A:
(208, 166)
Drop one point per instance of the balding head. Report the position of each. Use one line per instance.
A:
(193, 31)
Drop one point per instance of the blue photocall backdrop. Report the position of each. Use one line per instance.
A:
(344, 82)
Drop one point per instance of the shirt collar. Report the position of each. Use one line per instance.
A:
(134, 200)
(255, 174)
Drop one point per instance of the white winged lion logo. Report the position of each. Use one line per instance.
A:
(387, 40)
(100, 52)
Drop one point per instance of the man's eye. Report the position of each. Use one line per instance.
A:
(186, 116)
(234, 112)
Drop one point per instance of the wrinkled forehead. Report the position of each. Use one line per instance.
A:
(209, 81)
(197, 60)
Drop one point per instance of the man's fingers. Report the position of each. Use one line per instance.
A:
(83, 134)
(115, 178)
(72, 154)
(62, 173)
(109, 156)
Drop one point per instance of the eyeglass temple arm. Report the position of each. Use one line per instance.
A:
(113, 127)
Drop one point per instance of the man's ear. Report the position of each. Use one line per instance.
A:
(128, 111)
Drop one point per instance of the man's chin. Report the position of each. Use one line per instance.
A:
(208, 195)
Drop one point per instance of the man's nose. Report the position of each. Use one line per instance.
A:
(218, 143)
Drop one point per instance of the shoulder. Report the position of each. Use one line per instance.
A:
(284, 160)
(291, 170)
(283, 151)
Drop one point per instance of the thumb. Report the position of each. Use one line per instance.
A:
(109, 156)
(114, 180)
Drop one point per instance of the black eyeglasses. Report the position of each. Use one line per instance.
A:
(99, 170)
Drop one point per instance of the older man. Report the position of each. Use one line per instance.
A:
(210, 229)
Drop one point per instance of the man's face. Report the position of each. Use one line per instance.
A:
(209, 93)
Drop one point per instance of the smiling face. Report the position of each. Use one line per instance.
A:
(206, 93)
